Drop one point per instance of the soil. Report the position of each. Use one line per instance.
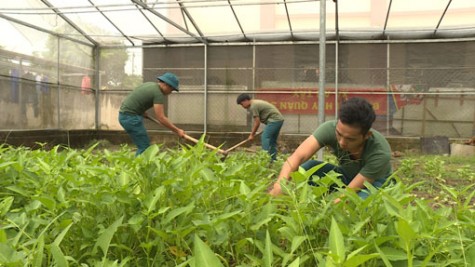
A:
(452, 172)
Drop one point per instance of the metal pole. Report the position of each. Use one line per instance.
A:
(249, 119)
(253, 67)
(321, 82)
(337, 67)
(58, 82)
(21, 94)
(205, 100)
(96, 84)
(388, 89)
(337, 56)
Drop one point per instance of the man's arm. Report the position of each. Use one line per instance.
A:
(358, 182)
(160, 114)
(255, 127)
(304, 152)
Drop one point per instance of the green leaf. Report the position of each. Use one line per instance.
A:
(9, 257)
(177, 212)
(150, 153)
(207, 174)
(393, 207)
(63, 233)
(303, 193)
(151, 200)
(60, 195)
(471, 256)
(302, 175)
(233, 170)
(105, 238)
(337, 243)
(38, 252)
(358, 260)
(468, 199)
(58, 256)
(5, 205)
(383, 256)
(406, 234)
(306, 174)
(299, 175)
(47, 201)
(450, 190)
(3, 165)
(295, 263)
(244, 189)
(360, 225)
(227, 215)
(188, 263)
(203, 255)
(18, 190)
(268, 256)
(258, 225)
(44, 166)
(296, 241)
(330, 263)
(123, 179)
(3, 236)
(318, 191)
(393, 254)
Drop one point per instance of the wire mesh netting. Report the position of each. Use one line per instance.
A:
(417, 89)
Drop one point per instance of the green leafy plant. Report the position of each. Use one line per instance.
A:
(185, 206)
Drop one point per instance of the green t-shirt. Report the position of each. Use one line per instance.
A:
(375, 162)
(142, 98)
(265, 111)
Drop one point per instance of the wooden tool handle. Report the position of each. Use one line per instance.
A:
(240, 143)
(193, 139)
(237, 145)
(205, 144)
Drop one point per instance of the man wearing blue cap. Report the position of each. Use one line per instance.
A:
(134, 107)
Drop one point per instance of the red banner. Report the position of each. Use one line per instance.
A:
(305, 100)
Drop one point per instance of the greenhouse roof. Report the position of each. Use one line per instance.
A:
(140, 22)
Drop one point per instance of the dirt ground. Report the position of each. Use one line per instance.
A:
(436, 173)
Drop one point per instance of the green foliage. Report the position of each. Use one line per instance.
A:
(130, 81)
(114, 60)
(188, 207)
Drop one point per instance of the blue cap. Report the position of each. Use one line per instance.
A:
(170, 79)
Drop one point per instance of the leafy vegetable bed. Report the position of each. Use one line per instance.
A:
(187, 207)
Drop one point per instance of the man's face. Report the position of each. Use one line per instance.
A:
(246, 104)
(166, 89)
(349, 137)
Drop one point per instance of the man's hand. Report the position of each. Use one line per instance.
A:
(181, 133)
(251, 137)
(276, 189)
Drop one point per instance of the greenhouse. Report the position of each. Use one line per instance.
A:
(78, 189)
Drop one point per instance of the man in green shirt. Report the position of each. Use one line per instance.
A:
(134, 107)
(363, 153)
(266, 113)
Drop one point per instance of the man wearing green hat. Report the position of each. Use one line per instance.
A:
(134, 107)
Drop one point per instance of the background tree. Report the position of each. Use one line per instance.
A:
(77, 59)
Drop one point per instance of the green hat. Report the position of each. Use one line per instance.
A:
(170, 79)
